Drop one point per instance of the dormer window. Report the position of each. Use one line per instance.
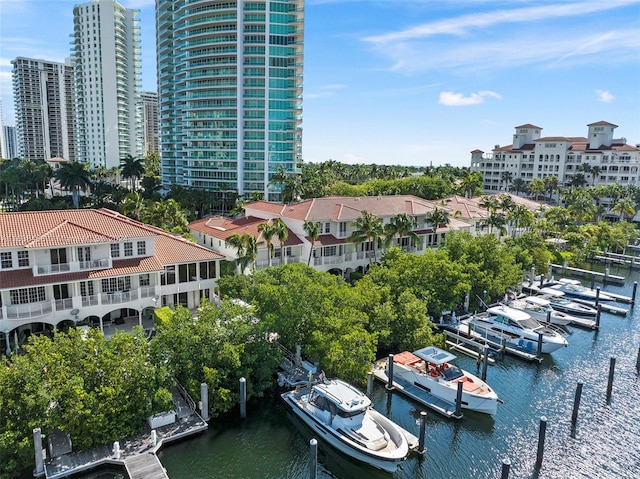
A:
(128, 248)
(5, 260)
(115, 250)
(23, 259)
(142, 248)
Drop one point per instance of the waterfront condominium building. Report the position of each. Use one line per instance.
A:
(151, 122)
(230, 85)
(597, 159)
(43, 109)
(106, 59)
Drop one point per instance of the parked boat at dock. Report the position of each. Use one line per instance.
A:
(573, 288)
(540, 309)
(343, 416)
(430, 369)
(560, 302)
(516, 329)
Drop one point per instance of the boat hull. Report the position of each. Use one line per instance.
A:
(340, 442)
(523, 341)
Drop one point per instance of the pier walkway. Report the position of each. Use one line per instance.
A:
(137, 454)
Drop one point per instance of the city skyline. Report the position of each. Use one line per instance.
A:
(417, 82)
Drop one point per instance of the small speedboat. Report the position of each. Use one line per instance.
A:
(573, 289)
(431, 370)
(517, 328)
(560, 302)
(344, 417)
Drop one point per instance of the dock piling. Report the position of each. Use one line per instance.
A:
(506, 467)
(539, 351)
(154, 438)
(576, 403)
(593, 281)
(485, 362)
(549, 317)
(612, 367)
(541, 436)
(638, 360)
(243, 398)
(459, 399)
(389, 385)
(423, 429)
(204, 401)
(599, 310)
(313, 458)
(369, 384)
(633, 295)
(37, 444)
(116, 450)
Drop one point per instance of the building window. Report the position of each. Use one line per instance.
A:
(5, 260)
(86, 288)
(128, 248)
(58, 256)
(343, 228)
(327, 228)
(23, 259)
(115, 250)
(111, 285)
(168, 276)
(142, 248)
(27, 295)
(145, 279)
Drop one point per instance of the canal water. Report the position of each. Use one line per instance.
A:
(271, 443)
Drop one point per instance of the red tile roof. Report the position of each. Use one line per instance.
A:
(221, 228)
(529, 125)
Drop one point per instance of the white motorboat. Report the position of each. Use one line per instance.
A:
(560, 302)
(344, 417)
(430, 369)
(573, 288)
(517, 328)
(540, 309)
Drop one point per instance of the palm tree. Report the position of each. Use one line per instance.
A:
(439, 216)
(577, 180)
(133, 204)
(313, 229)
(293, 188)
(74, 176)
(624, 208)
(267, 231)
(238, 208)
(282, 233)
(246, 249)
(279, 178)
(551, 184)
(518, 185)
(367, 228)
(402, 225)
(132, 168)
(521, 216)
(537, 186)
(595, 172)
(470, 182)
(506, 177)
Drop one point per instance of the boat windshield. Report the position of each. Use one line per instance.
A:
(452, 373)
(348, 414)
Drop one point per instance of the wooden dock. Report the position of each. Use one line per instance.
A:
(145, 466)
(585, 273)
(478, 341)
(420, 395)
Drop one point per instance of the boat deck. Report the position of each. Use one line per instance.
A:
(441, 406)
(459, 333)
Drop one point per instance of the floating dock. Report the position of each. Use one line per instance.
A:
(476, 340)
(416, 393)
(583, 323)
(604, 306)
(602, 277)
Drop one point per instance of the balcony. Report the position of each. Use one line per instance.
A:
(118, 297)
(96, 264)
(91, 300)
(51, 269)
(64, 304)
(30, 310)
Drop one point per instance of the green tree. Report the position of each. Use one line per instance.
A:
(537, 186)
(367, 228)
(624, 208)
(246, 250)
(74, 176)
(267, 232)
(132, 168)
(518, 185)
(282, 233)
(401, 225)
(313, 229)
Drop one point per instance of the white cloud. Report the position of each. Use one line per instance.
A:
(449, 98)
(605, 96)
(325, 91)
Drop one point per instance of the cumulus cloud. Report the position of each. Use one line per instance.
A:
(449, 98)
(605, 96)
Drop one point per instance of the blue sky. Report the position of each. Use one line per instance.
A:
(414, 82)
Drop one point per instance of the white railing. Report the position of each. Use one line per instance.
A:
(96, 264)
(51, 269)
(64, 303)
(118, 297)
(91, 300)
(30, 310)
(147, 291)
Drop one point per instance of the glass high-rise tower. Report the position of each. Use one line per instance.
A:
(230, 86)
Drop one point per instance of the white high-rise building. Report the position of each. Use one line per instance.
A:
(597, 159)
(151, 121)
(43, 109)
(106, 58)
(230, 86)
(3, 147)
(10, 142)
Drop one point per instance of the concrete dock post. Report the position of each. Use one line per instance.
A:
(506, 467)
(541, 436)
(638, 360)
(116, 450)
(459, 399)
(593, 280)
(633, 295)
(389, 385)
(204, 401)
(606, 274)
(484, 300)
(423, 430)
(599, 310)
(466, 301)
(313, 458)
(597, 295)
(485, 362)
(154, 438)
(612, 367)
(369, 384)
(539, 351)
(37, 444)
(532, 274)
(576, 403)
(541, 280)
(243, 398)
(503, 347)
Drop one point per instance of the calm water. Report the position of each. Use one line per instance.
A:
(271, 443)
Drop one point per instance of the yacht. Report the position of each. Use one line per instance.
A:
(517, 328)
(560, 302)
(573, 288)
(539, 309)
(430, 369)
(344, 417)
